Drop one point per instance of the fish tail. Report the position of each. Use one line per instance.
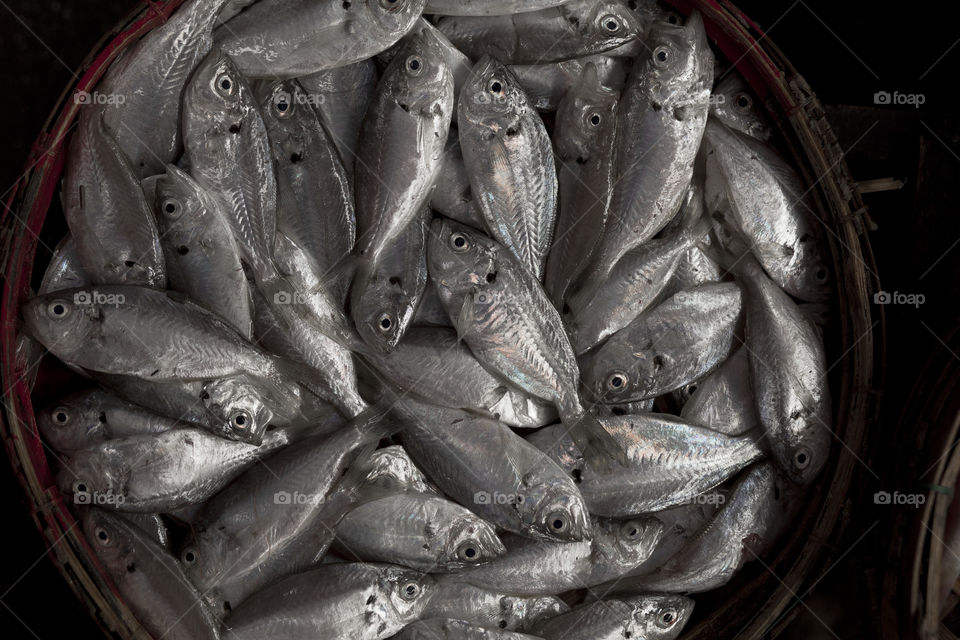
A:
(599, 448)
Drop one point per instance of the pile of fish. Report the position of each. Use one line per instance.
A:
(430, 319)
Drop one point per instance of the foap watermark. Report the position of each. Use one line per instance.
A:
(300, 97)
(885, 297)
(90, 298)
(289, 297)
(715, 499)
(97, 498)
(485, 497)
(899, 499)
(86, 97)
(898, 99)
(286, 497)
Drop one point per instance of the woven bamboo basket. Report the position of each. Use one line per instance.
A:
(759, 601)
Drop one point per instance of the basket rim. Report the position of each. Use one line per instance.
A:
(862, 328)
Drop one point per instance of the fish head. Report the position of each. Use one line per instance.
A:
(626, 544)
(471, 541)
(735, 105)
(585, 116)
(418, 80)
(238, 409)
(74, 422)
(65, 321)
(409, 591)
(616, 373)
(206, 558)
(526, 613)
(492, 102)
(459, 258)
(96, 479)
(179, 201)
(390, 17)
(287, 110)
(660, 615)
(560, 513)
(804, 450)
(218, 99)
(679, 68)
(112, 539)
(603, 25)
(382, 311)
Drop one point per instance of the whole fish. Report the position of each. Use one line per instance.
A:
(667, 347)
(723, 401)
(759, 508)
(487, 7)
(315, 206)
(651, 616)
(341, 97)
(764, 199)
(788, 368)
(662, 113)
(736, 106)
(110, 220)
(432, 364)
(401, 143)
(466, 602)
(148, 578)
(202, 255)
(584, 135)
(269, 39)
(505, 317)
(669, 462)
(573, 29)
(482, 463)
(146, 84)
(450, 629)
(509, 158)
(344, 600)
(453, 196)
(161, 472)
(85, 418)
(421, 531)
(385, 298)
(547, 84)
(536, 568)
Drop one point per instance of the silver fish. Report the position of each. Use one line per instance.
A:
(85, 418)
(453, 196)
(431, 312)
(584, 140)
(509, 159)
(651, 616)
(147, 82)
(148, 578)
(202, 255)
(536, 568)
(669, 462)
(418, 530)
(343, 600)
(391, 467)
(64, 270)
(385, 298)
(433, 365)
(547, 84)
(269, 40)
(492, 608)
(723, 401)
(450, 629)
(482, 463)
(735, 105)
(151, 524)
(341, 97)
(401, 143)
(660, 122)
(573, 29)
(505, 317)
(667, 347)
(763, 198)
(110, 221)
(487, 7)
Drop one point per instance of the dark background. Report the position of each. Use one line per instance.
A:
(847, 51)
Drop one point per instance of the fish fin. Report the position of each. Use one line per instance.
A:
(599, 448)
(465, 317)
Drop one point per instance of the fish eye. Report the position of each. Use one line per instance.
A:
(631, 530)
(172, 208)
(61, 415)
(391, 5)
(102, 536)
(283, 104)
(743, 101)
(496, 86)
(557, 522)
(385, 322)
(667, 618)
(79, 486)
(240, 419)
(661, 56)
(610, 23)
(189, 556)
(409, 590)
(468, 551)
(821, 274)
(224, 84)
(802, 458)
(58, 309)
(595, 119)
(460, 242)
(673, 18)
(617, 381)
(414, 65)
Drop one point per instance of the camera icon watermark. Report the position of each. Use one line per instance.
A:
(289, 297)
(95, 97)
(885, 98)
(896, 498)
(912, 299)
